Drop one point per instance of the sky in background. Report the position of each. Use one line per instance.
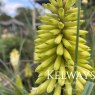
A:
(11, 5)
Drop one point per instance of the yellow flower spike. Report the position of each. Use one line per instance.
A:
(28, 71)
(84, 1)
(14, 58)
(55, 49)
(19, 82)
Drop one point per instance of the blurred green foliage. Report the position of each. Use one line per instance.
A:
(6, 46)
(89, 25)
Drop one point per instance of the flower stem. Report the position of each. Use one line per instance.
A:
(76, 50)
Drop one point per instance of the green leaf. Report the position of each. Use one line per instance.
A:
(89, 88)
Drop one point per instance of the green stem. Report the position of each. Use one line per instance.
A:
(76, 50)
(29, 84)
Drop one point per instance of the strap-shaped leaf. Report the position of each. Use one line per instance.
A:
(89, 88)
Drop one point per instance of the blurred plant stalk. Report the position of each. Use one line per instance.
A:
(28, 74)
(28, 71)
(19, 82)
